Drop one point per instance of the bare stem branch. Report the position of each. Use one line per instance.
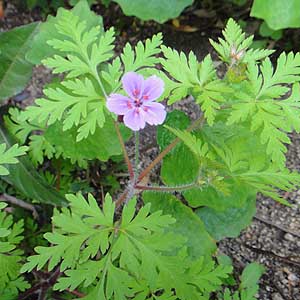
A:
(159, 158)
(20, 203)
(167, 188)
(76, 293)
(127, 160)
(121, 199)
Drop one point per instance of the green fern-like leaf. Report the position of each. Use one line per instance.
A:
(268, 82)
(123, 258)
(184, 70)
(40, 148)
(195, 144)
(197, 79)
(83, 62)
(210, 94)
(84, 53)
(9, 156)
(81, 94)
(10, 257)
(240, 159)
(268, 181)
(86, 48)
(234, 48)
(259, 104)
(52, 141)
(72, 102)
(143, 55)
(138, 58)
(258, 175)
(248, 287)
(18, 127)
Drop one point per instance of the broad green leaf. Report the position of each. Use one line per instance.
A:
(277, 13)
(180, 166)
(24, 177)
(243, 163)
(209, 196)
(101, 145)
(15, 71)
(230, 222)
(266, 31)
(75, 2)
(157, 10)
(40, 49)
(239, 150)
(199, 242)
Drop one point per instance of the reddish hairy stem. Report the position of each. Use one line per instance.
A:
(167, 150)
(166, 188)
(41, 287)
(76, 293)
(121, 199)
(129, 165)
(146, 171)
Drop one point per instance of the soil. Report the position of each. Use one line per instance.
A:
(273, 239)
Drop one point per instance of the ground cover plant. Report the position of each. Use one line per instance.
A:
(144, 240)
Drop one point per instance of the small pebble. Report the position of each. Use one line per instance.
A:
(289, 237)
(276, 296)
(293, 279)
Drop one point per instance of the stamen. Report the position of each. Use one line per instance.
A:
(136, 92)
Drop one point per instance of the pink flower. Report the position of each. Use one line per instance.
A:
(139, 107)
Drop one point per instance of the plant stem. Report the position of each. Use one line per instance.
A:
(7, 198)
(42, 286)
(137, 152)
(127, 160)
(121, 199)
(167, 188)
(129, 165)
(76, 293)
(96, 75)
(167, 150)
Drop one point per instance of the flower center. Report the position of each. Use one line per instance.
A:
(138, 102)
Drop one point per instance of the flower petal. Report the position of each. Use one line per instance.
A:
(119, 104)
(154, 113)
(153, 88)
(133, 84)
(134, 119)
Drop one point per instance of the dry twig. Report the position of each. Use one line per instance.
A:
(20, 203)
